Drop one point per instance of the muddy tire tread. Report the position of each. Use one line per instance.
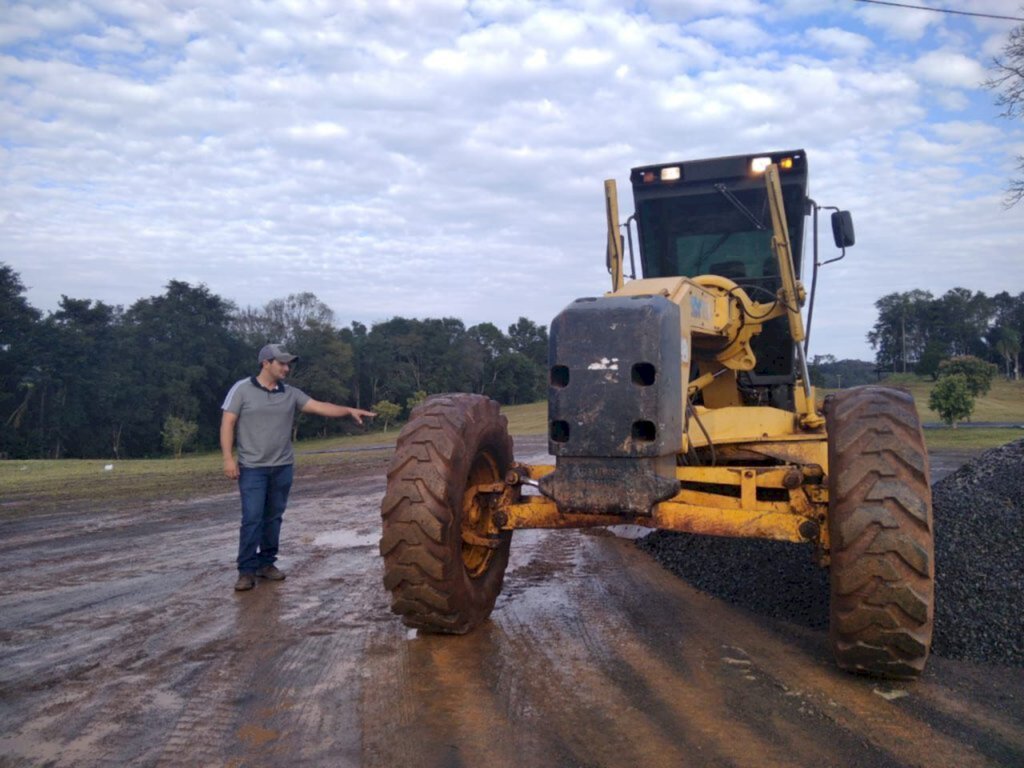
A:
(880, 524)
(421, 512)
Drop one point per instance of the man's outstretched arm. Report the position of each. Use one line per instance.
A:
(333, 411)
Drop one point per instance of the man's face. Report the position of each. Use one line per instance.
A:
(278, 369)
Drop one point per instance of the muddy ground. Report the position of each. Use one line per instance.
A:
(122, 643)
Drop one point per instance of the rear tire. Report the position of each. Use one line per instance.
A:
(444, 562)
(880, 526)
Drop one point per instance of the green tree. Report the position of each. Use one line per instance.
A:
(415, 399)
(976, 372)
(252, 327)
(177, 434)
(960, 320)
(280, 321)
(82, 359)
(816, 368)
(901, 330)
(530, 340)
(181, 356)
(387, 412)
(1007, 345)
(18, 349)
(403, 355)
(288, 316)
(518, 379)
(391, 363)
(931, 357)
(355, 337)
(1007, 331)
(830, 373)
(489, 345)
(324, 370)
(951, 398)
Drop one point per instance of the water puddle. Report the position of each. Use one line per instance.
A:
(346, 539)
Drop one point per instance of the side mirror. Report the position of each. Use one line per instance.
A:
(842, 229)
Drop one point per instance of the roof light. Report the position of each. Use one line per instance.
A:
(671, 174)
(786, 163)
(760, 164)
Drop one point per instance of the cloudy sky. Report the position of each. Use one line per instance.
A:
(437, 158)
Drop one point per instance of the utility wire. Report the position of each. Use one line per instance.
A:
(941, 10)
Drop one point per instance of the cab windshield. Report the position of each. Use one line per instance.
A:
(715, 233)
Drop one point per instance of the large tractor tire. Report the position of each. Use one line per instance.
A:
(444, 561)
(880, 526)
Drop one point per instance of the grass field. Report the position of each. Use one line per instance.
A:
(1004, 402)
(149, 479)
(51, 481)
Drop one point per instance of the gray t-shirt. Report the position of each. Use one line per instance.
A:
(265, 418)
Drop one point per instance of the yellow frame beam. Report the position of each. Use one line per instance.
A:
(798, 518)
(673, 515)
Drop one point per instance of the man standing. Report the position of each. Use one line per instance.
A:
(261, 410)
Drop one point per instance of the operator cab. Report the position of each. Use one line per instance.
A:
(712, 216)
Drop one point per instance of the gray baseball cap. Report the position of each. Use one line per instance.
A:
(274, 352)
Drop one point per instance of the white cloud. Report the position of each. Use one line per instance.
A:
(993, 46)
(967, 133)
(321, 131)
(682, 10)
(950, 69)
(839, 42)
(447, 60)
(952, 101)
(900, 23)
(739, 33)
(113, 40)
(446, 158)
(916, 144)
(587, 58)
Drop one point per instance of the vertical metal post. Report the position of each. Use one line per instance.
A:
(789, 293)
(614, 253)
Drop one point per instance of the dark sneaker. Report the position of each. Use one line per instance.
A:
(271, 573)
(245, 581)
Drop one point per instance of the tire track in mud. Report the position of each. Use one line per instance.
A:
(162, 657)
(103, 626)
(295, 674)
(844, 707)
(588, 688)
(594, 656)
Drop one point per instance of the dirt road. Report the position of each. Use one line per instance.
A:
(123, 644)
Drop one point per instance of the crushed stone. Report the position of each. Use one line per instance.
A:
(979, 564)
(979, 559)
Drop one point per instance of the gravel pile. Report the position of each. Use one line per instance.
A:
(979, 558)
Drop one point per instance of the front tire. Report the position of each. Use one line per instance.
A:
(880, 527)
(444, 559)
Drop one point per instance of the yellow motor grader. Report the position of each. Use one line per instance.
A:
(681, 401)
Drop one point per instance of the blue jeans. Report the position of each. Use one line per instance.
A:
(264, 492)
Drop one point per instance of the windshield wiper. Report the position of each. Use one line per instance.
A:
(739, 206)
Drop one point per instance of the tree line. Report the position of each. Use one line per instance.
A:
(91, 380)
(916, 332)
